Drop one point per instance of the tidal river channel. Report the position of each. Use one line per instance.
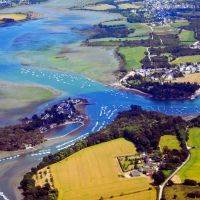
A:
(39, 36)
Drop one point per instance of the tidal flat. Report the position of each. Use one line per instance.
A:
(18, 99)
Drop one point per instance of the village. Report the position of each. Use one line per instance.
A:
(139, 165)
(9, 3)
(57, 115)
(164, 74)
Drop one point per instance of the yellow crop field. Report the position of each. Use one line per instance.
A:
(16, 17)
(192, 78)
(100, 7)
(93, 173)
(125, 6)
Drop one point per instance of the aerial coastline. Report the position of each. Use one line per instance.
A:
(118, 51)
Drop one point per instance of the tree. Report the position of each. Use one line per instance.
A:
(158, 177)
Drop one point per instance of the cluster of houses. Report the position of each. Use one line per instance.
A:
(10, 3)
(196, 45)
(58, 114)
(144, 164)
(164, 74)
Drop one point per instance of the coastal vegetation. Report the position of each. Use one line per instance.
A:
(162, 91)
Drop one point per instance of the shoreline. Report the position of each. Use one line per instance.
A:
(28, 108)
(53, 140)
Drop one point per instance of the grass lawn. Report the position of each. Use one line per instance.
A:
(170, 141)
(191, 169)
(185, 59)
(93, 173)
(133, 56)
(180, 191)
(187, 37)
(16, 17)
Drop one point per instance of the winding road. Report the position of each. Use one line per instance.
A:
(161, 187)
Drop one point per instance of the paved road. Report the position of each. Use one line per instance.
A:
(161, 187)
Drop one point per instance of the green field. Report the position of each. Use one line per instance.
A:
(133, 56)
(179, 24)
(170, 141)
(187, 37)
(185, 59)
(142, 30)
(191, 169)
(93, 172)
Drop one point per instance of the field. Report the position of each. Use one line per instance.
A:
(165, 29)
(94, 172)
(16, 17)
(133, 56)
(191, 169)
(99, 7)
(192, 78)
(179, 24)
(170, 141)
(180, 191)
(187, 37)
(185, 59)
(125, 6)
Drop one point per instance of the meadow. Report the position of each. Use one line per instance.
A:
(187, 37)
(191, 169)
(169, 141)
(185, 59)
(132, 56)
(93, 173)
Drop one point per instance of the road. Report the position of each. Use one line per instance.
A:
(161, 187)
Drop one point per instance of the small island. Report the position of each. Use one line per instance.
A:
(31, 131)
